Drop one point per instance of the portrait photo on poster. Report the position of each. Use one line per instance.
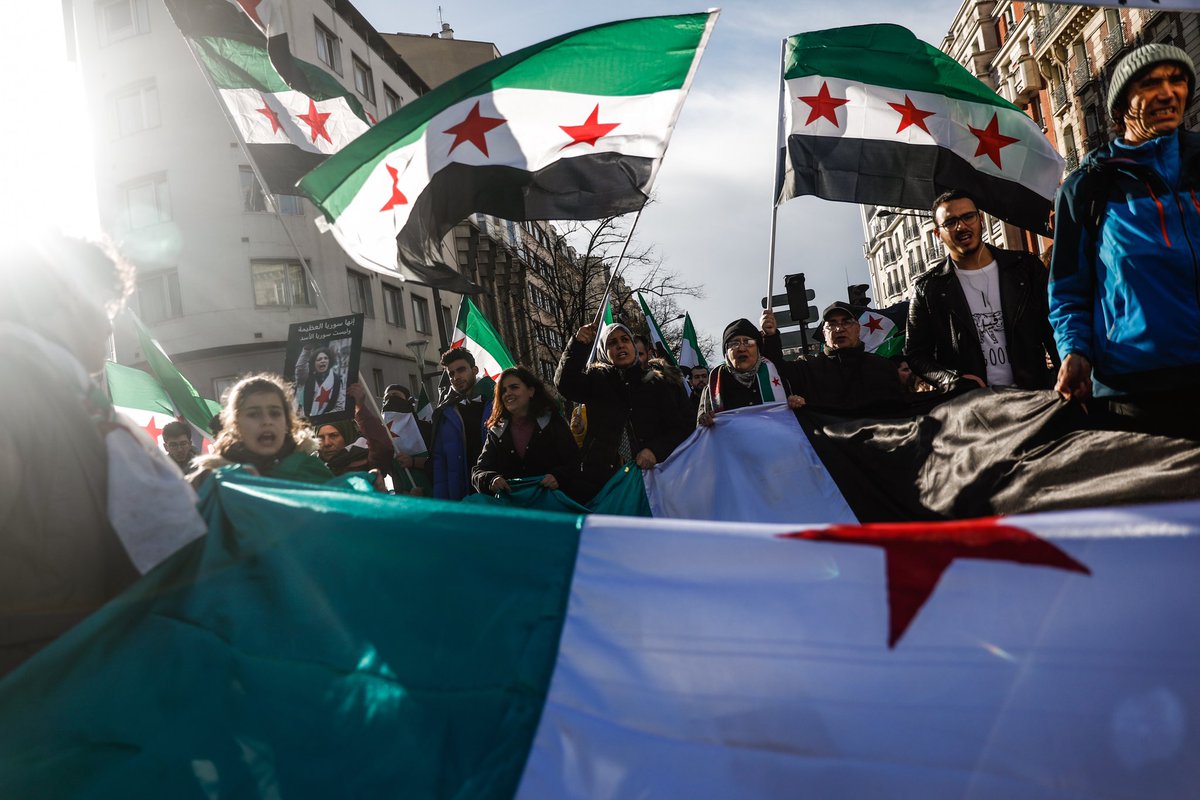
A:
(321, 361)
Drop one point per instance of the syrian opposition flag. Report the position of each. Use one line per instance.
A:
(876, 116)
(313, 650)
(690, 354)
(475, 333)
(882, 330)
(187, 402)
(657, 342)
(140, 397)
(574, 127)
(288, 129)
(424, 405)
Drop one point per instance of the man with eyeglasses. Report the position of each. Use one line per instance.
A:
(979, 317)
(844, 379)
(1125, 272)
(177, 441)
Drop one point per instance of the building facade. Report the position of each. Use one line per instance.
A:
(222, 269)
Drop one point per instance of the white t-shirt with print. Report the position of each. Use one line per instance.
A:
(982, 288)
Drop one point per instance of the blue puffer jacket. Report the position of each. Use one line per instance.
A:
(448, 457)
(1125, 293)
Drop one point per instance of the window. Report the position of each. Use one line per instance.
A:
(221, 387)
(137, 108)
(377, 379)
(158, 296)
(364, 81)
(391, 101)
(289, 204)
(447, 321)
(253, 198)
(420, 307)
(120, 19)
(280, 283)
(548, 368)
(328, 47)
(393, 305)
(147, 201)
(361, 301)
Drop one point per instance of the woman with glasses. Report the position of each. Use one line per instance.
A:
(634, 413)
(747, 378)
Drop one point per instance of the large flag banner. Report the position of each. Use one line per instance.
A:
(874, 115)
(690, 354)
(882, 329)
(657, 342)
(319, 643)
(574, 127)
(710, 475)
(183, 396)
(287, 131)
(473, 332)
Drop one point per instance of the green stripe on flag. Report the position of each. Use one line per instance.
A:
(132, 388)
(656, 335)
(188, 402)
(620, 59)
(276, 665)
(885, 55)
(238, 65)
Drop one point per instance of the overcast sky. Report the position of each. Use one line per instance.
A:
(712, 218)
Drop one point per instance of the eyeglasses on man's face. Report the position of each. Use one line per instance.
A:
(846, 322)
(734, 344)
(952, 223)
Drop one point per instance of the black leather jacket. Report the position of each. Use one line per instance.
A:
(941, 341)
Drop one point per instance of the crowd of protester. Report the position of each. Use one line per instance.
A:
(1114, 322)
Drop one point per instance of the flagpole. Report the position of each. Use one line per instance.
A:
(778, 176)
(322, 306)
(617, 269)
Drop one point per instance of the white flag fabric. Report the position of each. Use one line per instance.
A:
(753, 463)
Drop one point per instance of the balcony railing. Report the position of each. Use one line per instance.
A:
(1114, 42)
(1058, 97)
(1072, 160)
(1081, 74)
(1094, 140)
(1051, 16)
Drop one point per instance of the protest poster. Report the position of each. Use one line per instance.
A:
(321, 360)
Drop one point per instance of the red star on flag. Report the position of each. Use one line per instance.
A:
(823, 105)
(270, 114)
(917, 553)
(910, 115)
(590, 131)
(152, 430)
(991, 140)
(323, 395)
(315, 120)
(251, 9)
(474, 129)
(397, 198)
(392, 430)
(458, 343)
(776, 382)
(873, 324)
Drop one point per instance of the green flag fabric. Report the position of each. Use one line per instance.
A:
(476, 333)
(657, 342)
(690, 354)
(187, 401)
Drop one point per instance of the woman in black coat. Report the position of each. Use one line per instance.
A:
(633, 413)
(526, 437)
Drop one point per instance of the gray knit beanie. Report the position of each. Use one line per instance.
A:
(1139, 59)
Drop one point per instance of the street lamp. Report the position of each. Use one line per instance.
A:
(884, 213)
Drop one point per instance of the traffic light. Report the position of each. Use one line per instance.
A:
(797, 297)
(857, 294)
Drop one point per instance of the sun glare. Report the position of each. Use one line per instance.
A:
(47, 163)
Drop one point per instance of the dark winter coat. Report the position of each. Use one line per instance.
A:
(449, 459)
(942, 343)
(551, 451)
(655, 408)
(847, 381)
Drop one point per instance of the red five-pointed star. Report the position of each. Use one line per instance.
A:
(823, 105)
(991, 140)
(267, 112)
(916, 554)
(153, 430)
(873, 324)
(474, 129)
(323, 395)
(591, 130)
(910, 115)
(776, 382)
(315, 121)
(397, 198)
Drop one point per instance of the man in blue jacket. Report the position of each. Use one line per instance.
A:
(459, 426)
(1125, 273)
